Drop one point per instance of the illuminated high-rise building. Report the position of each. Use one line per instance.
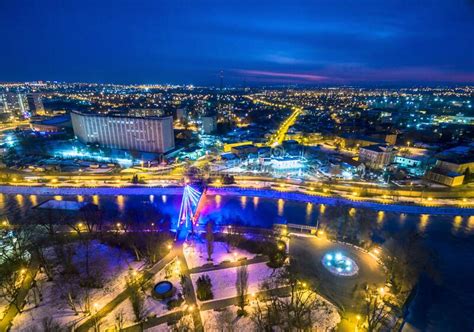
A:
(14, 104)
(35, 104)
(151, 134)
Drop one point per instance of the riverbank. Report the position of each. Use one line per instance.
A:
(231, 190)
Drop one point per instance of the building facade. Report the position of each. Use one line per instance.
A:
(125, 132)
(15, 105)
(208, 124)
(35, 104)
(446, 177)
(376, 156)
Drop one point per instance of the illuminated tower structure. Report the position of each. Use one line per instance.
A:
(188, 212)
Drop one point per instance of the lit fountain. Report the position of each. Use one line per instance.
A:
(339, 264)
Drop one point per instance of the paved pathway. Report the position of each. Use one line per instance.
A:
(220, 304)
(154, 321)
(12, 310)
(257, 259)
(105, 310)
(193, 301)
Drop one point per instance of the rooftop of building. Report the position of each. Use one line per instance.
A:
(444, 172)
(458, 159)
(360, 137)
(243, 147)
(376, 148)
(55, 120)
(121, 116)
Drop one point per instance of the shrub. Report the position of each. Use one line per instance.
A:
(174, 303)
(204, 288)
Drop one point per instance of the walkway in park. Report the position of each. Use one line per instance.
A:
(19, 302)
(226, 265)
(110, 306)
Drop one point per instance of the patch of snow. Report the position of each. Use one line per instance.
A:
(223, 280)
(325, 318)
(196, 254)
(114, 267)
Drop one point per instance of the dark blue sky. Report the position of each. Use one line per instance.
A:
(258, 42)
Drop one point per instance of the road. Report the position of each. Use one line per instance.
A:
(279, 136)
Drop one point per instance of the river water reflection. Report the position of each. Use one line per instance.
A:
(444, 308)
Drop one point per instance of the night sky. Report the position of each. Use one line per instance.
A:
(253, 42)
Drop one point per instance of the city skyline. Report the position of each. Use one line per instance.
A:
(393, 43)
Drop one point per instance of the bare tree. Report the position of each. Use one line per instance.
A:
(49, 324)
(209, 239)
(376, 309)
(135, 286)
(184, 324)
(10, 281)
(291, 313)
(406, 257)
(119, 320)
(241, 284)
(226, 321)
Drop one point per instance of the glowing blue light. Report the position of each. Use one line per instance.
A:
(339, 269)
(338, 256)
(329, 257)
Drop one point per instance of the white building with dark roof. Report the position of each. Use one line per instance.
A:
(151, 134)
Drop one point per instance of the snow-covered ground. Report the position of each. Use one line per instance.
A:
(223, 280)
(114, 266)
(153, 307)
(325, 318)
(196, 254)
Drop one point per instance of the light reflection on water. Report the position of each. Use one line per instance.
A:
(424, 219)
(309, 210)
(95, 200)
(352, 212)
(402, 219)
(255, 203)
(218, 201)
(33, 200)
(457, 221)
(281, 207)
(322, 209)
(380, 217)
(121, 203)
(243, 202)
(470, 224)
(20, 200)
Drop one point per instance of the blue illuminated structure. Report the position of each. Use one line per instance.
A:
(188, 212)
(339, 264)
